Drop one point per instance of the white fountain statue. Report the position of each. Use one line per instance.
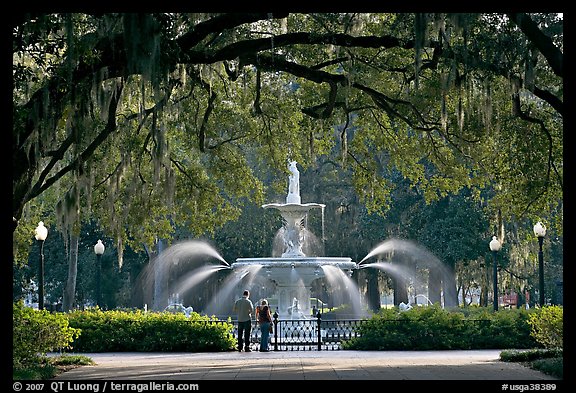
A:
(293, 184)
(294, 271)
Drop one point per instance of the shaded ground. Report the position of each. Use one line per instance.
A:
(307, 365)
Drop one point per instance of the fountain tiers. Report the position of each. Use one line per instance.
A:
(294, 272)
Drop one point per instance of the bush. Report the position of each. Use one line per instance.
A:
(112, 331)
(36, 332)
(547, 326)
(548, 361)
(431, 327)
(551, 366)
(530, 355)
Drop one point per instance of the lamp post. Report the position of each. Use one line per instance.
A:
(540, 231)
(41, 232)
(495, 247)
(99, 250)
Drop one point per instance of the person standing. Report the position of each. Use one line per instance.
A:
(264, 318)
(244, 309)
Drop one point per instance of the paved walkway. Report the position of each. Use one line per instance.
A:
(307, 365)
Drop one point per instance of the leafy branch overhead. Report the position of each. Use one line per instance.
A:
(164, 118)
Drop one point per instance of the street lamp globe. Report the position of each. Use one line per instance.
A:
(99, 248)
(41, 232)
(539, 229)
(495, 244)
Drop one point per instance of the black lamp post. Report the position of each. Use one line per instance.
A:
(495, 247)
(540, 231)
(41, 232)
(99, 250)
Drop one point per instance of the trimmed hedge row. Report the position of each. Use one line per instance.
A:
(138, 331)
(434, 328)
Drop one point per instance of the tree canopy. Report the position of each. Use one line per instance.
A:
(147, 120)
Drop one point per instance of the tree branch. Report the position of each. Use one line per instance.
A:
(110, 127)
(551, 53)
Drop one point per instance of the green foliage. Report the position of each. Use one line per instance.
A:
(547, 326)
(530, 354)
(71, 360)
(36, 332)
(343, 311)
(548, 361)
(40, 369)
(161, 132)
(49, 367)
(109, 331)
(553, 366)
(431, 327)
(453, 228)
(173, 131)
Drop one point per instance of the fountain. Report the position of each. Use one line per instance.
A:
(287, 276)
(293, 272)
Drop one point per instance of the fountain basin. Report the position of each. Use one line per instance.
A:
(306, 261)
(308, 268)
(294, 207)
(293, 277)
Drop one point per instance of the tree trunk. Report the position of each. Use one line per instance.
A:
(70, 290)
(450, 293)
(373, 290)
(434, 286)
(160, 300)
(484, 292)
(400, 291)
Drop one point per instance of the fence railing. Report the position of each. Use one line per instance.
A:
(317, 334)
(312, 334)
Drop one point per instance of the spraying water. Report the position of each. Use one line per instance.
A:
(177, 269)
(338, 278)
(403, 259)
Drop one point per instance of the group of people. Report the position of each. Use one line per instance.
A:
(244, 309)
